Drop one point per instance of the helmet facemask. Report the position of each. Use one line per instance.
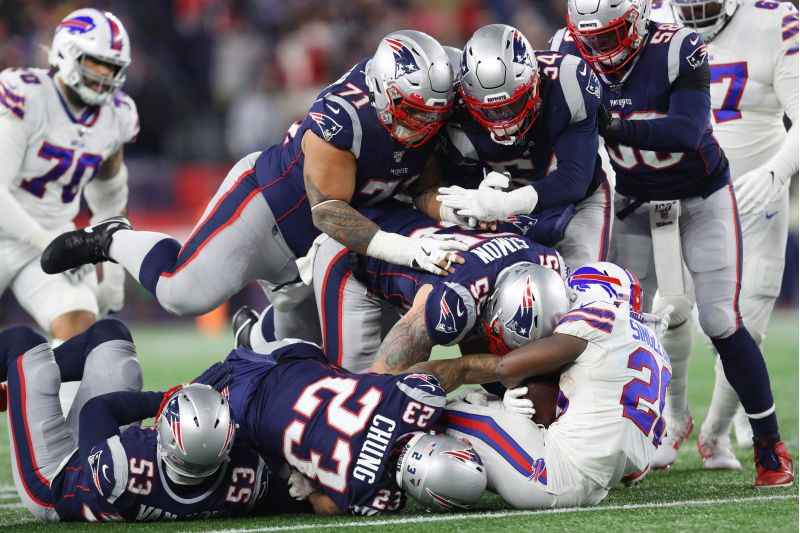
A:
(706, 17)
(409, 120)
(611, 47)
(94, 88)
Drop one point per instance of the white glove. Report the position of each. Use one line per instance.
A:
(756, 189)
(433, 253)
(299, 485)
(448, 215)
(513, 401)
(495, 180)
(76, 275)
(488, 204)
(111, 289)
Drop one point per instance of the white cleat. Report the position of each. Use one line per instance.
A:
(716, 453)
(677, 433)
(742, 430)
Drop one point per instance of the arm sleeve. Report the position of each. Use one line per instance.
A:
(103, 415)
(129, 117)
(450, 313)
(689, 105)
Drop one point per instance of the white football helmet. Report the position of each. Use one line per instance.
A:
(441, 472)
(410, 81)
(608, 33)
(195, 433)
(706, 17)
(527, 302)
(96, 35)
(604, 282)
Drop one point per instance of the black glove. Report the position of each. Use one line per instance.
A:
(610, 128)
(217, 376)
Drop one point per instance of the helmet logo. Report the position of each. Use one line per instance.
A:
(465, 456)
(327, 126)
(521, 54)
(172, 414)
(582, 281)
(523, 320)
(447, 320)
(116, 35)
(404, 62)
(539, 471)
(445, 503)
(77, 25)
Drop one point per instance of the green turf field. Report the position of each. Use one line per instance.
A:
(686, 498)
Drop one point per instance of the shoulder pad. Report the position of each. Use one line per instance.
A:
(423, 388)
(686, 50)
(336, 121)
(450, 313)
(19, 89)
(108, 463)
(125, 108)
(578, 82)
(593, 322)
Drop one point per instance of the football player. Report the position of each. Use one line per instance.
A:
(611, 391)
(356, 442)
(674, 190)
(751, 88)
(84, 468)
(352, 292)
(366, 137)
(532, 114)
(62, 134)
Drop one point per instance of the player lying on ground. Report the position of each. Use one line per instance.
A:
(367, 137)
(355, 441)
(614, 378)
(752, 87)
(673, 185)
(62, 133)
(85, 468)
(522, 111)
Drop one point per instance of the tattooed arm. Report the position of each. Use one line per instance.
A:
(330, 180)
(469, 369)
(408, 342)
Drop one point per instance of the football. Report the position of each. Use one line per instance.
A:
(543, 392)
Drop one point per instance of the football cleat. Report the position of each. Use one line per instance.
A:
(242, 322)
(81, 247)
(633, 479)
(716, 453)
(677, 433)
(774, 467)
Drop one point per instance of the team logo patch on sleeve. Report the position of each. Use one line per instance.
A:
(523, 320)
(593, 86)
(698, 57)
(327, 126)
(447, 319)
(404, 62)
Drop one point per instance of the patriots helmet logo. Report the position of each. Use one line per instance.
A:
(445, 503)
(77, 24)
(523, 223)
(404, 62)
(172, 414)
(467, 455)
(524, 320)
(520, 50)
(94, 465)
(447, 320)
(698, 57)
(327, 126)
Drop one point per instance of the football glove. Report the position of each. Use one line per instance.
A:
(300, 487)
(433, 253)
(758, 188)
(514, 401)
(489, 204)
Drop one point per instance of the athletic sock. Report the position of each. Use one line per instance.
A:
(677, 342)
(747, 373)
(145, 255)
(71, 354)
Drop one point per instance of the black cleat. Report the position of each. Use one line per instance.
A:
(81, 247)
(242, 322)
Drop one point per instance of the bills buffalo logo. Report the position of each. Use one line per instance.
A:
(524, 320)
(465, 456)
(404, 62)
(77, 25)
(172, 415)
(327, 126)
(539, 471)
(447, 319)
(699, 57)
(520, 50)
(584, 279)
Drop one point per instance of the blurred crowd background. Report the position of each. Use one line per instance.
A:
(216, 79)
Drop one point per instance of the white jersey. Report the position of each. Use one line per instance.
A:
(63, 151)
(754, 80)
(613, 394)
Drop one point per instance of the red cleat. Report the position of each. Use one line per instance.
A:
(3, 397)
(767, 458)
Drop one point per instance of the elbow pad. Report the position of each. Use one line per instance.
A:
(107, 198)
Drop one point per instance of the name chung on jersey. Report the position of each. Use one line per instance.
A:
(374, 449)
(498, 248)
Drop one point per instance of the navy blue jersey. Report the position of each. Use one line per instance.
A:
(123, 479)
(456, 301)
(343, 116)
(339, 428)
(672, 153)
(558, 155)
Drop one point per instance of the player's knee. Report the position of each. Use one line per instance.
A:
(17, 340)
(183, 299)
(682, 308)
(717, 320)
(109, 329)
(114, 367)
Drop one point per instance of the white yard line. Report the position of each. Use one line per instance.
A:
(498, 514)
(11, 506)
